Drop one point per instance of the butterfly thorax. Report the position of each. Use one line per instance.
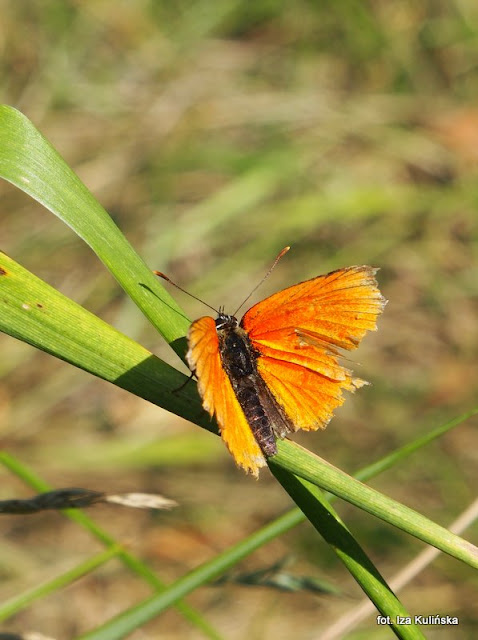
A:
(239, 359)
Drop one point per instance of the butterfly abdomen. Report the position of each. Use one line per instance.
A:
(260, 409)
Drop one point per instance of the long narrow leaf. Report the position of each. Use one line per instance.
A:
(261, 537)
(128, 559)
(22, 600)
(327, 522)
(324, 475)
(29, 161)
(36, 313)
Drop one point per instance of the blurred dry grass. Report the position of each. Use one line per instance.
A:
(214, 137)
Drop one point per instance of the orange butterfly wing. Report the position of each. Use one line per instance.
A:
(298, 333)
(218, 396)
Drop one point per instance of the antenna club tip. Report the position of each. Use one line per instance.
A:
(160, 274)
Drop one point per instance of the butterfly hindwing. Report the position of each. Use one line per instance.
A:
(218, 396)
(307, 397)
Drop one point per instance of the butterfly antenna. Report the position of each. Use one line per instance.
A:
(165, 277)
(282, 253)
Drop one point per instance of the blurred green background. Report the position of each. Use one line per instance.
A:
(215, 134)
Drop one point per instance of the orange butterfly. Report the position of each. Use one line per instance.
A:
(277, 371)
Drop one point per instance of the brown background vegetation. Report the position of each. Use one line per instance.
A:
(215, 134)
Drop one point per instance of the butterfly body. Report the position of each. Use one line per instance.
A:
(277, 370)
(239, 360)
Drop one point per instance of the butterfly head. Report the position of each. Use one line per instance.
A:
(225, 321)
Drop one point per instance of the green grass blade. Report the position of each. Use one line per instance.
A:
(128, 621)
(411, 447)
(327, 522)
(310, 467)
(128, 559)
(16, 604)
(153, 607)
(28, 161)
(261, 537)
(36, 313)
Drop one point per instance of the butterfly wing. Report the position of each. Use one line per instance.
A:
(298, 333)
(218, 395)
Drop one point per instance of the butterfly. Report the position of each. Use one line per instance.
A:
(277, 370)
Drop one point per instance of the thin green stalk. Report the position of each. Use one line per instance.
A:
(29, 161)
(16, 604)
(327, 522)
(310, 467)
(128, 559)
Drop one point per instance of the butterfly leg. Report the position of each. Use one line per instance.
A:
(184, 384)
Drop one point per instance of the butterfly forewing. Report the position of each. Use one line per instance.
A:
(340, 307)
